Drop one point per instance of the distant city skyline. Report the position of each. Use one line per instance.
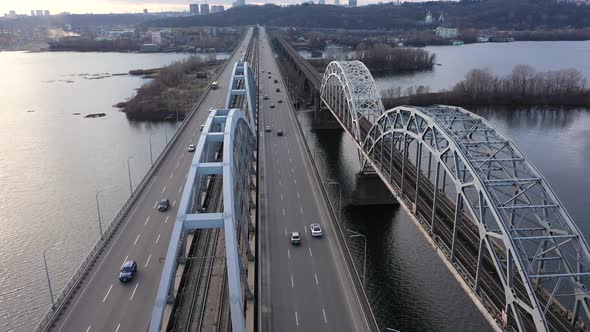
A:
(24, 7)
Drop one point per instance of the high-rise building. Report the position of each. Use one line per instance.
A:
(38, 12)
(321, 2)
(337, 2)
(351, 3)
(46, 13)
(204, 8)
(239, 3)
(145, 11)
(194, 8)
(32, 12)
(217, 8)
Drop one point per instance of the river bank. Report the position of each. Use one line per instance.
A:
(171, 92)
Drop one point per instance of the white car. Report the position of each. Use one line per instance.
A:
(191, 148)
(265, 97)
(316, 230)
(295, 238)
(267, 129)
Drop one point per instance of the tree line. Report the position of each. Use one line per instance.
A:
(524, 86)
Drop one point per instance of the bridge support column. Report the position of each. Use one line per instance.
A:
(370, 190)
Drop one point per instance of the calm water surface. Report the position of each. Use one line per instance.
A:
(52, 163)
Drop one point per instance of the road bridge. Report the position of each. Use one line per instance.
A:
(94, 300)
(499, 226)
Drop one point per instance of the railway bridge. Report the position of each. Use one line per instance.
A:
(499, 226)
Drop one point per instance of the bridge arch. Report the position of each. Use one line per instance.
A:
(349, 88)
(490, 211)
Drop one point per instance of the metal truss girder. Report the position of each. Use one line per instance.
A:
(236, 131)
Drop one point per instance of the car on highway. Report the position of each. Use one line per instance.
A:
(278, 90)
(128, 270)
(280, 101)
(202, 127)
(265, 97)
(163, 205)
(269, 72)
(280, 133)
(295, 238)
(316, 230)
(267, 129)
(272, 105)
(276, 81)
(269, 77)
(191, 148)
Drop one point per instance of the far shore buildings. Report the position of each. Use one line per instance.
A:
(447, 33)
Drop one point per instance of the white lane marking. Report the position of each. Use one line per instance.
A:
(146, 221)
(107, 295)
(301, 209)
(290, 161)
(171, 175)
(156, 204)
(292, 170)
(166, 221)
(118, 326)
(182, 156)
(325, 319)
(280, 184)
(285, 231)
(163, 189)
(305, 228)
(125, 259)
(158, 239)
(186, 176)
(283, 211)
(137, 238)
(173, 203)
(179, 189)
(289, 254)
(281, 197)
(292, 284)
(310, 252)
(132, 294)
(295, 180)
(316, 279)
(278, 173)
(296, 319)
(148, 260)
(298, 195)
(88, 329)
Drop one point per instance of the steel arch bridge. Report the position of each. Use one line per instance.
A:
(499, 224)
(226, 149)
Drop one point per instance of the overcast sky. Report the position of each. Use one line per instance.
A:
(123, 6)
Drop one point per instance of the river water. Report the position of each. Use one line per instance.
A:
(53, 162)
(409, 287)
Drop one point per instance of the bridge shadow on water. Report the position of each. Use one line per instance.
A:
(408, 285)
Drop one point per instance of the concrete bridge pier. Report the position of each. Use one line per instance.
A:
(370, 190)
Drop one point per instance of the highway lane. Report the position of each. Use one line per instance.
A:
(103, 303)
(306, 287)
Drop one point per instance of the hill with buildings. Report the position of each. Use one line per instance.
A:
(485, 14)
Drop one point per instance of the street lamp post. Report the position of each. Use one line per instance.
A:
(47, 273)
(332, 182)
(129, 174)
(151, 153)
(356, 234)
(98, 212)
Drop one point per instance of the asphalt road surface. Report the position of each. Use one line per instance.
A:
(305, 287)
(103, 303)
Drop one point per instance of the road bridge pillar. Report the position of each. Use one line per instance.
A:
(370, 190)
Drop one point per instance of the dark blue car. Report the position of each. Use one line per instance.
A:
(128, 270)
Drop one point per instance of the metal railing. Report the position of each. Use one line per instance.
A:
(70, 288)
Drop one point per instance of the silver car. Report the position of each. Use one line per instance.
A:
(316, 230)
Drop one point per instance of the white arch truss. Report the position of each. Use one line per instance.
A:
(475, 194)
(348, 88)
(524, 234)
